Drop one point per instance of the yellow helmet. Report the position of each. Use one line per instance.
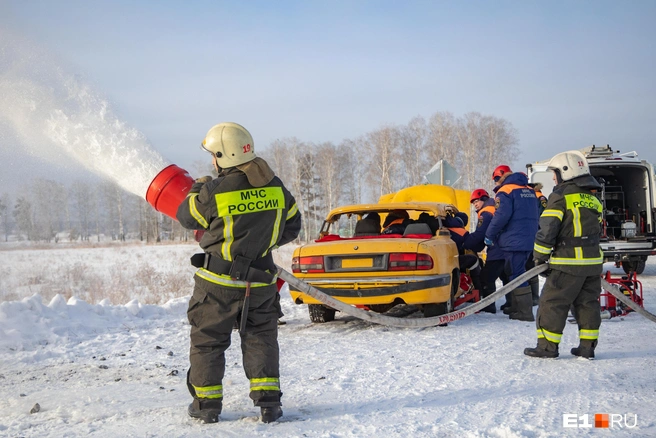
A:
(230, 143)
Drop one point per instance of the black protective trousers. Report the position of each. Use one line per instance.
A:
(213, 312)
(562, 290)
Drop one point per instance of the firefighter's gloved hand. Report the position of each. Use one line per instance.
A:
(539, 262)
(204, 179)
(488, 242)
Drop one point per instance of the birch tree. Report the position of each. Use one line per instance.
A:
(201, 168)
(414, 156)
(82, 200)
(23, 217)
(382, 154)
(470, 140)
(442, 139)
(328, 170)
(352, 169)
(287, 157)
(48, 208)
(277, 156)
(5, 218)
(500, 140)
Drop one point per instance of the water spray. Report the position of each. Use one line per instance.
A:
(56, 116)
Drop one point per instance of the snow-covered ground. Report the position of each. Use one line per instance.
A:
(102, 368)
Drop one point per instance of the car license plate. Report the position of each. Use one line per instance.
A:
(357, 263)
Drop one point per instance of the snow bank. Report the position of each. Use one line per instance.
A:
(27, 323)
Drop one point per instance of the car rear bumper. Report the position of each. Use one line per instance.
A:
(411, 290)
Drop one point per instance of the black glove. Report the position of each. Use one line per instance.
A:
(539, 262)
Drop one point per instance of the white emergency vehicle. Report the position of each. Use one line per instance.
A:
(628, 196)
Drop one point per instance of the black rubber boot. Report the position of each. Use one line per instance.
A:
(511, 304)
(205, 415)
(585, 349)
(490, 308)
(535, 290)
(524, 306)
(508, 304)
(270, 414)
(544, 350)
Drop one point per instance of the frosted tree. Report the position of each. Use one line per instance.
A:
(328, 170)
(49, 208)
(414, 156)
(500, 140)
(110, 209)
(83, 205)
(5, 217)
(442, 141)
(485, 142)
(287, 158)
(382, 155)
(276, 155)
(23, 217)
(470, 140)
(351, 170)
(201, 168)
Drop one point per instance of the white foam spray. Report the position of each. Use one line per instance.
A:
(55, 113)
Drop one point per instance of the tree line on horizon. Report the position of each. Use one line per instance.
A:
(321, 176)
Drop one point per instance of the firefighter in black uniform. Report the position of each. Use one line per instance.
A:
(246, 213)
(568, 239)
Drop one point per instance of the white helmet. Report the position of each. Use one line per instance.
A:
(569, 165)
(230, 143)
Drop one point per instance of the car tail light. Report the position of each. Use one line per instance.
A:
(409, 261)
(308, 265)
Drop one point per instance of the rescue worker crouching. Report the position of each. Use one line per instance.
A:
(467, 260)
(513, 229)
(456, 227)
(475, 242)
(568, 240)
(246, 213)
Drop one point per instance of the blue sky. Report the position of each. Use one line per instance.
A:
(566, 74)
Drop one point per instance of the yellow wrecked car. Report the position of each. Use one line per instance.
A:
(357, 261)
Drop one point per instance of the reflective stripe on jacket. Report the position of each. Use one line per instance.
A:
(569, 230)
(239, 219)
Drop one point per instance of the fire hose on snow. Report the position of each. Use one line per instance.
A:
(441, 319)
(170, 187)
(401, 322)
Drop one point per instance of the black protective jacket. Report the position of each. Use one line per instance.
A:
(239, 220)
(568, 237)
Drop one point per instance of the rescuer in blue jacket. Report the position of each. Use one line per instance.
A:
(512, 229)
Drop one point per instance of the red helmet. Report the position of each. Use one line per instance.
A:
(500, 171)
(478, 194)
